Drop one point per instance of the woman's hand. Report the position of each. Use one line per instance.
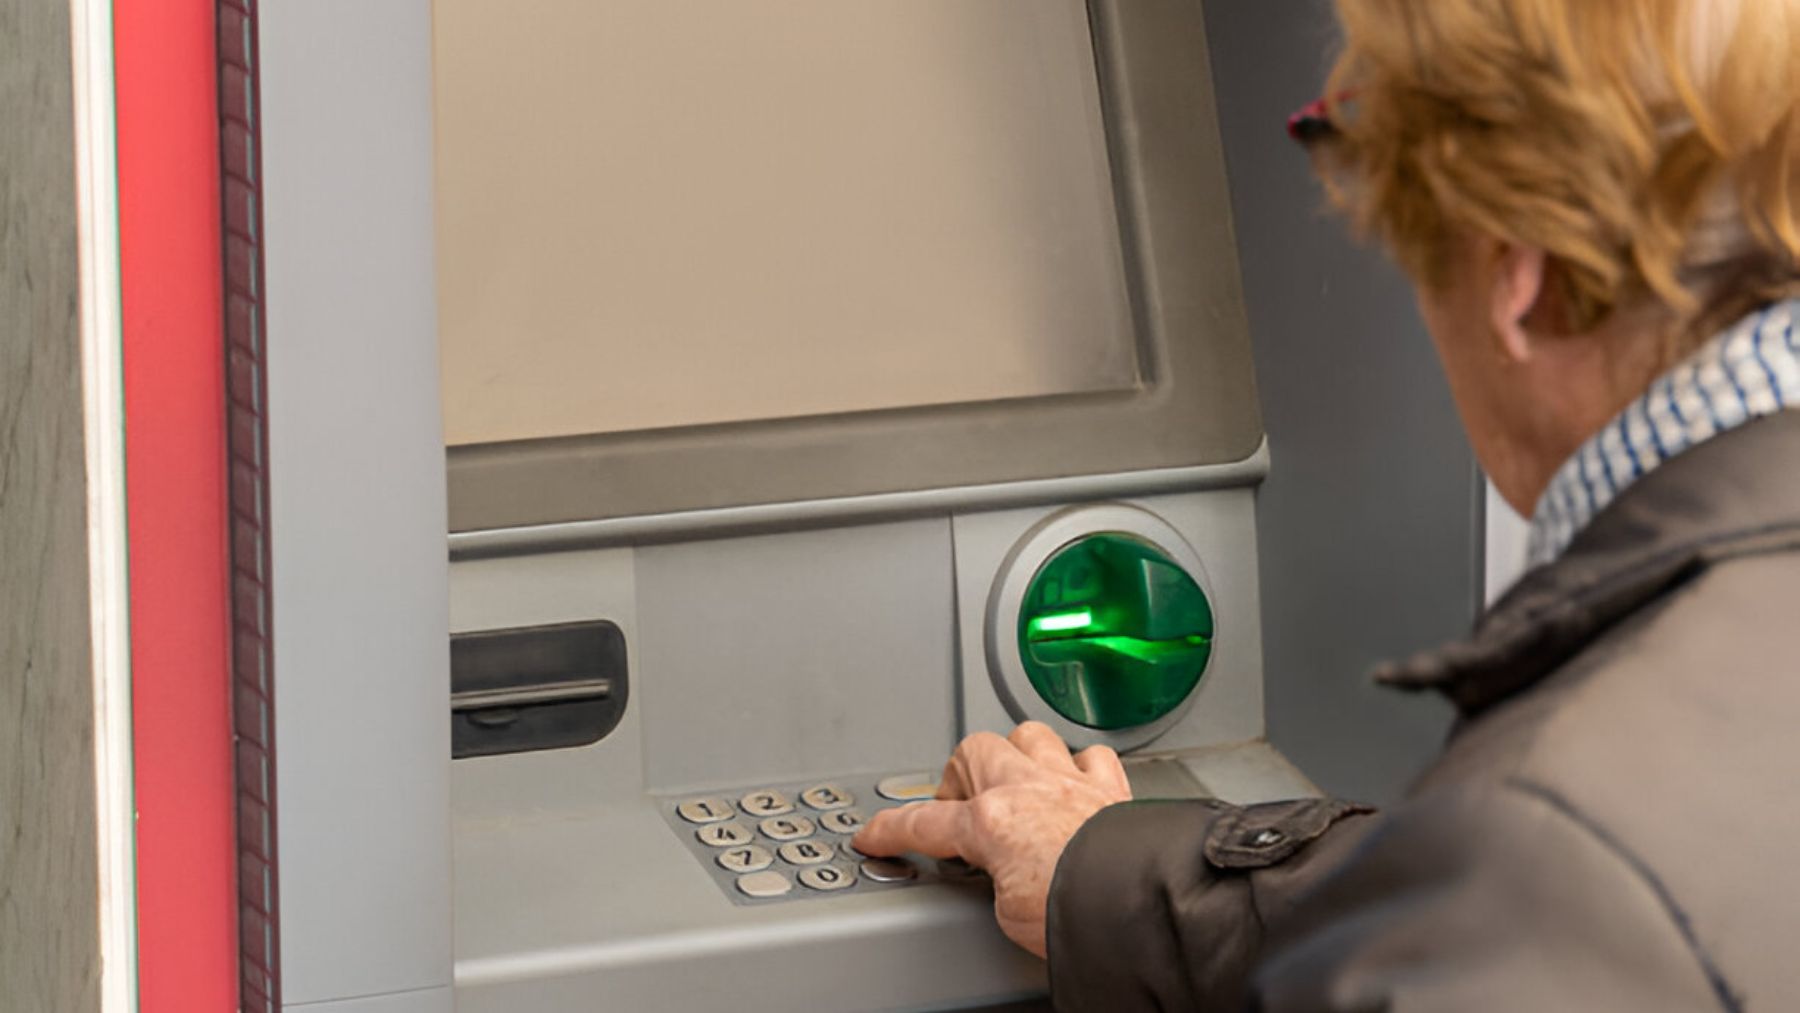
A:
(1009, 805)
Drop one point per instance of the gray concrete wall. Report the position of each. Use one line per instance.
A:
(49, 901)
(1369, 520)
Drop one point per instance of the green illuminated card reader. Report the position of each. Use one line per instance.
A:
(1113, 632)
(1100, 625)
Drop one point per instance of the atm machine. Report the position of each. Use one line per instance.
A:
(687, 421)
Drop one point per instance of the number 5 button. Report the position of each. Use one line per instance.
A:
(787, 828)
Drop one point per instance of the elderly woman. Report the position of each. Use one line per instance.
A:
(1599, 203)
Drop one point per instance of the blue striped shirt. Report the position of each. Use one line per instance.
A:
(1751, 370)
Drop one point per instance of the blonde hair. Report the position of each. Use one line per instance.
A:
(1650, 147)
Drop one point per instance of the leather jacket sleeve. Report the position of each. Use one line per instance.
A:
(1164, 905)
(1477, 898)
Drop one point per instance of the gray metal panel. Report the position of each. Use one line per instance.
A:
(357, 504)
(1368, 521)
(427, 1000)
(728, 521)
(50, 949)
(1200, 410)
(781, 656)
(555, 587)
(571, 892)
(606, 911)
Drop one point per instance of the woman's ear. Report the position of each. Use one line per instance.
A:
(1520, 291)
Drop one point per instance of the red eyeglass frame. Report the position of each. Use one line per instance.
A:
(1312, 122)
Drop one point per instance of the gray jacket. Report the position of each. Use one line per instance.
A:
(1614, 824)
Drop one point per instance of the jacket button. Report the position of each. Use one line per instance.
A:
(1268, 839)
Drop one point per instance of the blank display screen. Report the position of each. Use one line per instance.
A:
(666, 213)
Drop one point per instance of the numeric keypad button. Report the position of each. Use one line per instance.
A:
(786, 828)
(723, 835)
(749, 858)
(842, 821)
(825, 797)
(827, 877)
(705, 810)
(907, 787)
(805, 852)
(764, 884)
(765, 803)
(889, 870)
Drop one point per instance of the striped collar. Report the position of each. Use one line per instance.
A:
(1749, 371)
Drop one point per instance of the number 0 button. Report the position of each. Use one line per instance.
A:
(826, 877)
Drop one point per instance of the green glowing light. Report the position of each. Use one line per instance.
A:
(1063, 622)
(1113, 632)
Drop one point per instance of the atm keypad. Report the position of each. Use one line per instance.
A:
(790, 842)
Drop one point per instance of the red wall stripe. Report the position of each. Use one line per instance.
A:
(169, 231)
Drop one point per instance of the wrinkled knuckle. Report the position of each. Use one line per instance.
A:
(980, 742)
(1104, 755)
(988, 812)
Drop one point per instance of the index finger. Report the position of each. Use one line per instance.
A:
(929, 828)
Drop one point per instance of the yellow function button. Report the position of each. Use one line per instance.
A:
(907, 787)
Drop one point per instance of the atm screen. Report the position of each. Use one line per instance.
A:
(656, 214)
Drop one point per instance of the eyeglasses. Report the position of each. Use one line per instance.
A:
(1312, 123)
